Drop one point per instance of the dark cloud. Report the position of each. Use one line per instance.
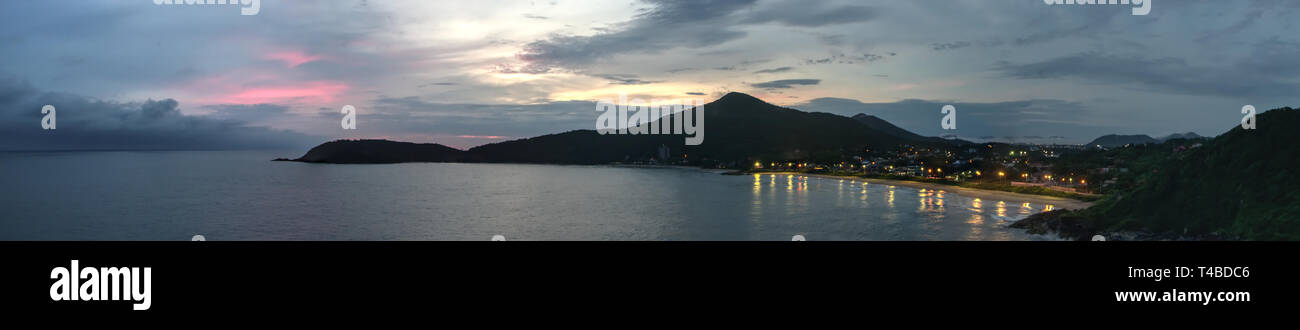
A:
(1245, 22)
(695, 93)
(624, 79)
(1269, 71)
(848, 58)
(440, 84)
(976, 121)
(786, 83)
(247, 112)
(775, 70)
(120, 46)
(669, 24)
(89, 124)
(950, 45)
(683, 24)
(743, 65)
(811, 14)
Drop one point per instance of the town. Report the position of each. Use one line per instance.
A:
(1084, 172)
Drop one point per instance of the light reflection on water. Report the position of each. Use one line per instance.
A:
(931, 218)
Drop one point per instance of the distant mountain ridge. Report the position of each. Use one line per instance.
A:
(1188, 135)
(1115, 140)
(738, 127)
(884, 126)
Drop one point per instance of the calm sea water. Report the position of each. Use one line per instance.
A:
(239, 195)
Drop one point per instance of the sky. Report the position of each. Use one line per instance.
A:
(134, 74)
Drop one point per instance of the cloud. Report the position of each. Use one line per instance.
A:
(247, 112)
(848, 58)
(671, 24)
(439, 84)
(786, 83)
(293, 59)
(775, 70)
(950, 45)
(811, 14)
(624, 79)
(1188, 59)
(695, 93)
(312, 91)
(90, 124)
(419, 120)
(1269, 71)
(975, 120)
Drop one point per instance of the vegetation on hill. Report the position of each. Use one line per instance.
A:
(1113, 140)
(1240, 185)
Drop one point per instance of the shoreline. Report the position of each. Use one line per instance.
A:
(1060, 203)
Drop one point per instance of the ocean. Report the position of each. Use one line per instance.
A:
(242, 195)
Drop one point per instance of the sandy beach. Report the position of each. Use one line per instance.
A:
(1058, 202)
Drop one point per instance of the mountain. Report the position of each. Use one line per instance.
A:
(380, 151)
(1113, 140)
(576, 147)
(1218, 188)
(1239, 185)
(1188, 135)
(741, 127)
(738, 128)
(883, 126)
(886, 127)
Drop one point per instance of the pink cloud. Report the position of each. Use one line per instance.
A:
(316, 91)
(490, 137)
(293, 59)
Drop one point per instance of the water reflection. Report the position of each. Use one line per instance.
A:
(891, 197)
(972, 219)
(976, 222)
(864, 194)
(756, 204)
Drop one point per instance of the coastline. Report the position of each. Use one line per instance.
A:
(1057, 202)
